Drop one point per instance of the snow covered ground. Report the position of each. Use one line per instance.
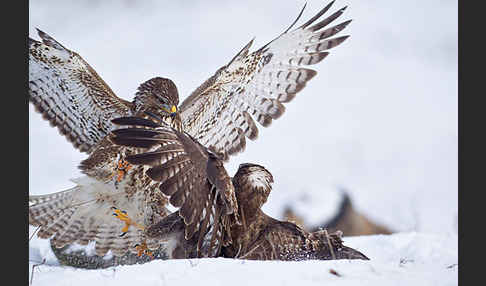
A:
(398, 259)
(379, 120)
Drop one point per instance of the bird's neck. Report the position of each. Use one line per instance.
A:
(249, 209)
(253, 222)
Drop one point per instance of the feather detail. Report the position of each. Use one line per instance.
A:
(70, 94)
(221, 113)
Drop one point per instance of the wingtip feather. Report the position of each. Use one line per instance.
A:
(49, 41)
(317, 16)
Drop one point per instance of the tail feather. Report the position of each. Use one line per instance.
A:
(56, 224)
(69, 233)
(44, 209)
(87, 234)
(59, 227)
(50, 198)
(83, 214)
(71, 225)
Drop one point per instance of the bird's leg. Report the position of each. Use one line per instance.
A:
(142, 249)
(122, 215)
(121, 169)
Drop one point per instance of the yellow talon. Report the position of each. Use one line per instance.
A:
(142, 249)
(122, 215)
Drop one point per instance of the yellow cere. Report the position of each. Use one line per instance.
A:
(173, 109)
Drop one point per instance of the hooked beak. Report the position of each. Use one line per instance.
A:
(173, 111)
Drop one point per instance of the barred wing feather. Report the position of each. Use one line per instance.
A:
(195, 182)
(221, 113)
(70, 94)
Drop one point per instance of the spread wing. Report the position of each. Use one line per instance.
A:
(221, 113)
(194, 180)
(70, 94)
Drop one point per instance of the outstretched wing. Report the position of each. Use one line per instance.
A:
(70, 94)
(194, 180)
(221, 112)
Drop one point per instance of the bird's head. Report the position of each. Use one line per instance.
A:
(253, 184)
(158, 96)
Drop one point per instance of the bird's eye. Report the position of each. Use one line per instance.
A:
(169, 109)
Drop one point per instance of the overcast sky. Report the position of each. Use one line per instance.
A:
(379, 119)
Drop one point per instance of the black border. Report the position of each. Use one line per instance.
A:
(15, 187)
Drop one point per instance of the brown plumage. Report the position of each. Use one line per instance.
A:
(254, 235)
(262, 237)
(175, 157)
(191, 176)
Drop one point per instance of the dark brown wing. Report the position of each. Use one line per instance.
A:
(287, 241)
(193, 179)
(262, 237)
(68, 93)
(220, 113)
(276, 242)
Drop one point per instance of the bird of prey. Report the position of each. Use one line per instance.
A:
(201, 133)
(262, 237)
(254, 235)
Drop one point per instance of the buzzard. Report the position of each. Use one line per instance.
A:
(184, 163)
(262, 237)
(254, 235)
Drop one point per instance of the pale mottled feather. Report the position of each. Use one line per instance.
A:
(70, 94)
(220, 114)
(84, 213)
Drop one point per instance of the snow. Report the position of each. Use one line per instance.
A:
(399, 259)
(381, 113)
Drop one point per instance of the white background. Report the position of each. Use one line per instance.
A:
(379, 119)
